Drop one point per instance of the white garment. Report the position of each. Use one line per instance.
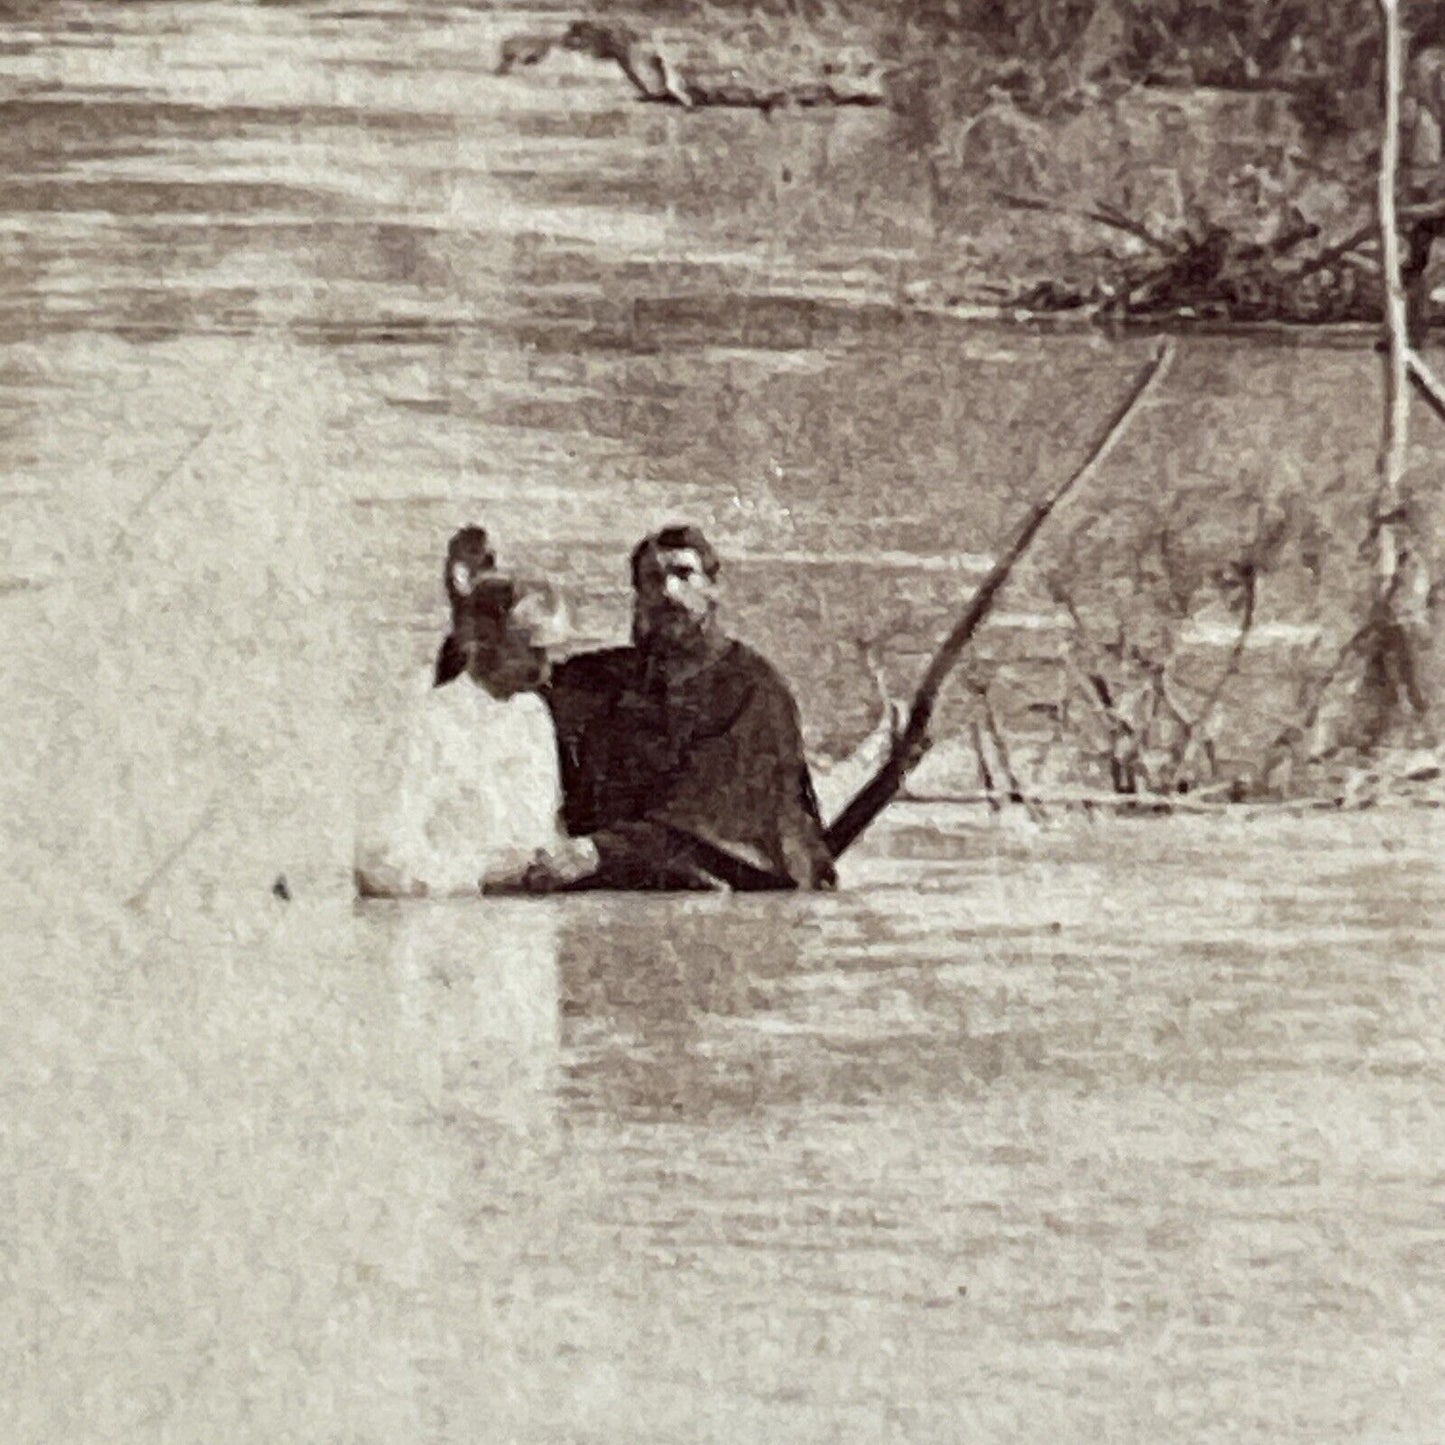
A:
(476, 795)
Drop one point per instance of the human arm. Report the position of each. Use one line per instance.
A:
(642, 856)
(563, 864)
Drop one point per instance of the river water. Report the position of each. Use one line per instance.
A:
(1076, 1131)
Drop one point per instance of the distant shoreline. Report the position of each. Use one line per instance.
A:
(1334, 335)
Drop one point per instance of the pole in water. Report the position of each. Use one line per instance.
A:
(880, 790)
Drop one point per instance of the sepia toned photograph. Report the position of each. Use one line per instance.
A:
(722, 722)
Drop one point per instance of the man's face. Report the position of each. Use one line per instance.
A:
(674, 598)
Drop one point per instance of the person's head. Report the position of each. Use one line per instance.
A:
(509, 635)
(469, 557)
(674, 589)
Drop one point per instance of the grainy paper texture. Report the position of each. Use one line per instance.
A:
(1047, 1124)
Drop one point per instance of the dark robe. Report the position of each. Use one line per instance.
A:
(687, 781)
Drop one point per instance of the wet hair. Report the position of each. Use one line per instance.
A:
(485, 609)
(478, 615)
(472, 546)
(683, 537)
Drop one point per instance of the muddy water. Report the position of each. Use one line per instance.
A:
(1088, 1131)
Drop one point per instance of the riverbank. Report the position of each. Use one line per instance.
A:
(1166, 202)
(534, 302)
(1087, 1132)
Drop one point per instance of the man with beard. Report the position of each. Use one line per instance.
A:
(682, 757)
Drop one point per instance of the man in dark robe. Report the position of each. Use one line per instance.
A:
(682, 757)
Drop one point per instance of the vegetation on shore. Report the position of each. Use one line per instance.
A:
(1175, 159)
(1179, 159)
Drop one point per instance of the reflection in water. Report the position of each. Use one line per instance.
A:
(648, 988)
(1107, 1133)
(477, 1020)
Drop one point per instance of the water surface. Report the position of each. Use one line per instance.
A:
(1089, 1131)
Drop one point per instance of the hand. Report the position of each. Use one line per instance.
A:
(564, 863)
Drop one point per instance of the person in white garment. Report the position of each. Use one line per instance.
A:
(476, 797)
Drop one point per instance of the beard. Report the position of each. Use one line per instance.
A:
(671, 629)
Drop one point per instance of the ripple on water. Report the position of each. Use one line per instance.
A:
(1122, 1131)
